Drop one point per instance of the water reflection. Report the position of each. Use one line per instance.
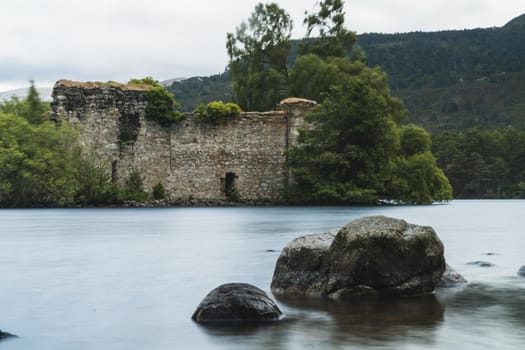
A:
(334, 324)
(378, 318)
(484, 299)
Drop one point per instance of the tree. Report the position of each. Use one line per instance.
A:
(258, 57)
(355, 151)
(35, 107)
(38, 163)
(414, 139)
(32, 108)
(312, 76)
(331, 38)
(348, 152)
(43, 165)
(326, 56)
(416, 177)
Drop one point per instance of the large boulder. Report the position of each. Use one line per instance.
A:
(236, 302)
(368, 256)
(302, 267)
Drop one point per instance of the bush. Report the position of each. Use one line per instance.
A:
(217, 111)
(234, 195)
(162, 107)
(134, 189)
(158, 192)
(144, 81)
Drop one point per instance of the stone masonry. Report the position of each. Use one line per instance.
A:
(193, 160)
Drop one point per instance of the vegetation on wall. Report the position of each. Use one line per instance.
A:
(158, 192)
(217, 111)
(161, 105)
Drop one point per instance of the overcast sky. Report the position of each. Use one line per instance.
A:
(47, 40)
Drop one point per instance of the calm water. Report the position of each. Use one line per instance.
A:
(131, 278)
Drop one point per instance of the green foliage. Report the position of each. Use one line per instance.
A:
(162, 106)
(483, 164)
(145, 81)
(414, 140)
(96, 187)
(313, 76)
(347, 154)
(258, 57)
(419, 181)
(331, 39)
(42, 165)
(193, 91)
(37, 163)
(158, 192)
(31, 108)
(36, 109)
(134, 188)
(217, 111)
(234, 195)
(355, 152)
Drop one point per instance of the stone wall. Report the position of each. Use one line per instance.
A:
(192, 159)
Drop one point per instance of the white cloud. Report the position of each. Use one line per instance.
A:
(119, 39)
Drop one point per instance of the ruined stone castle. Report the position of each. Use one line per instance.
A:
(192, 159)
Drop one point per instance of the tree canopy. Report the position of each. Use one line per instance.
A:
(258, 53)
(355, 149)
(356, 152)
(326, 33)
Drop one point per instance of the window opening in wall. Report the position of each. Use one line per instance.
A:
(229, 183)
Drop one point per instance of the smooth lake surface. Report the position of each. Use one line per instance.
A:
(131, 279)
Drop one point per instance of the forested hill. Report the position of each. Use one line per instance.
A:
(448, 80)
(456, 79)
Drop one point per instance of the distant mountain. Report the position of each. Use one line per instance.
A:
(168, 82)
(44, 92)
(448, 79)
(192, 91)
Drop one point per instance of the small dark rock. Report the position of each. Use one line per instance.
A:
(451, 278)
(271, 251)
(481, 263)
(236, 302)
(5, 335)
(490, 254)
(521, 271)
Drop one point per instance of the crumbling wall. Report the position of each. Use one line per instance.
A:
(192, 159)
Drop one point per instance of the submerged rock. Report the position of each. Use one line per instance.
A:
(236, 302)
(367, 257)
(521, 271)
(481, 263)
(451, 278)
(5, 335)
